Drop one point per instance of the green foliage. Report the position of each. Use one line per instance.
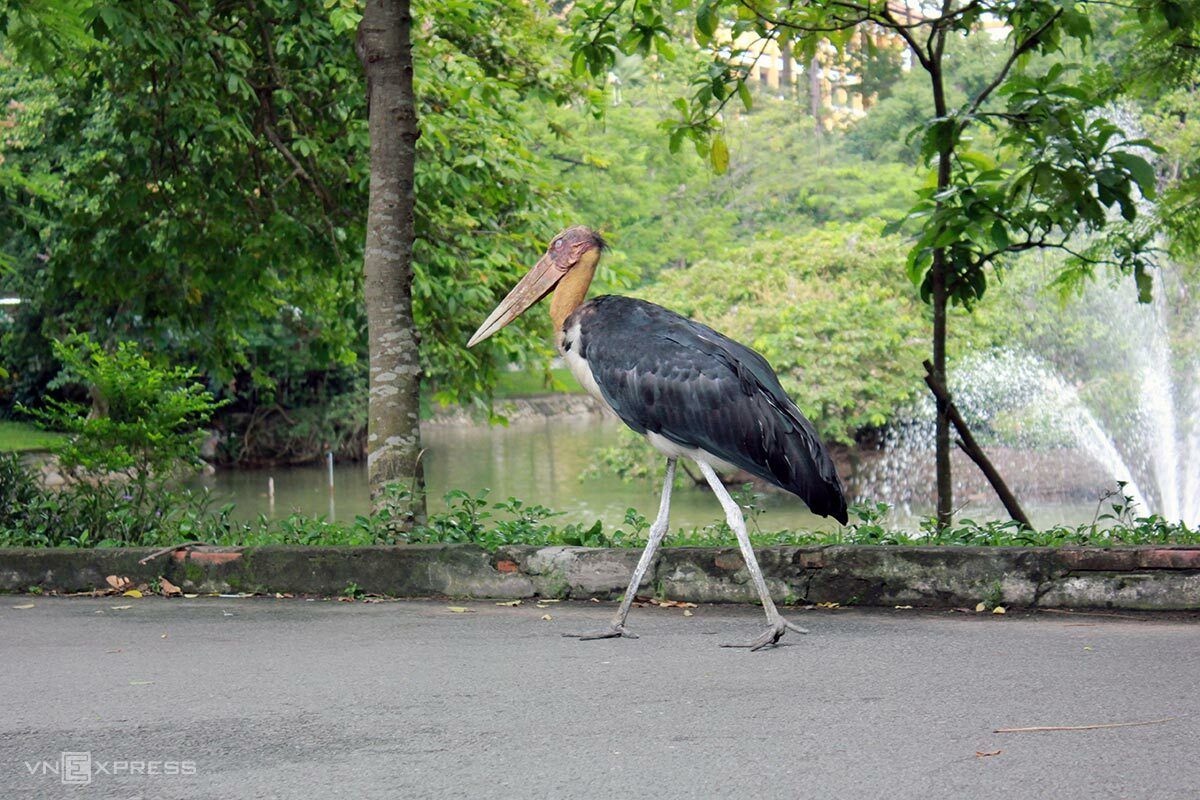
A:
(144, 420)
(1063, 169)
(238, 245)
(483, 213)
(244, 138)
(662, 211)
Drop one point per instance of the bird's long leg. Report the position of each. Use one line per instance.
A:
(657, 531)
(733, 514)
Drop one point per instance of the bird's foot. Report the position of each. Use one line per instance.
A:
(771, 635)
(614, 631)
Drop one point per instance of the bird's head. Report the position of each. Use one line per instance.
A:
(574, 250)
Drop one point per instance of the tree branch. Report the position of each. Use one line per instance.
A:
(1017, 52)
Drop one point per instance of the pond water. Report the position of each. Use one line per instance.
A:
(544, 461)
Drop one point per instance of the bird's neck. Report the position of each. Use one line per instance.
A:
(571, 291)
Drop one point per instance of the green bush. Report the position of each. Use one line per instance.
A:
(145, 421)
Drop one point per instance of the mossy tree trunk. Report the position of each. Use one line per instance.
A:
(394, 433)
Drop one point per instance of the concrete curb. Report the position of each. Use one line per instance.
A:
(1145, 578)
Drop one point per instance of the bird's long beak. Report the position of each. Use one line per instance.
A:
(533, 287)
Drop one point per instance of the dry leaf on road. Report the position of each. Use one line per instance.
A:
(981, 754)
(510, 603)
(24, 606)
(117, 583)
(168, 589)
(546, 617)
(132, 593)
(460, 609)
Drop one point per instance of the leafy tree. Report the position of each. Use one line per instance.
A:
(1055, 172)
(193, 175)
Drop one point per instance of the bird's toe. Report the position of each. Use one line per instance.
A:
(611, 632)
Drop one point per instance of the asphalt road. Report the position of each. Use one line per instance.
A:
(301, 699)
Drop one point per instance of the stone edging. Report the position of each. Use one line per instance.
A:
(1147, 578)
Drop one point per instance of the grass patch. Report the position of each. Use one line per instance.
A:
(16, 437)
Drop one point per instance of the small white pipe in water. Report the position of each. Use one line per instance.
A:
(329, 461)
(271, 493)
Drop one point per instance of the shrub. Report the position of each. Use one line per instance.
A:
(145, 420)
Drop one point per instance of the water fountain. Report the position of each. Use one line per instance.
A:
(1116, 404)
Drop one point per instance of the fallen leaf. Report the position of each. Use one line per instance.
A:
(168, 589)
(118, 650)
(132, 593)
(828, 605)
(163, 636)
(546, 617)
(542, 605)
(1087, 648)
(687, 613)
(980, 754)
(119, 608)
(549, 600)
(118, 584)
(460, 609)
(24, 606)
(903, 607)
(595, 599)
(191, 596)
(510, 603)
(980, 607)
(141, 683)
(999, 610)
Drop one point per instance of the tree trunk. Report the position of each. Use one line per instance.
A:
(968, 445)
(394, 433)
(814, 95)
(945, 481)
(785, 71)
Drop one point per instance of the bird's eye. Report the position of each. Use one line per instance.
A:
(558, 244)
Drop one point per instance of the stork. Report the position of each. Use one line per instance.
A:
(692, 392)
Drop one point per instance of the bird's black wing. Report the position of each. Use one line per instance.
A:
(666, 374)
